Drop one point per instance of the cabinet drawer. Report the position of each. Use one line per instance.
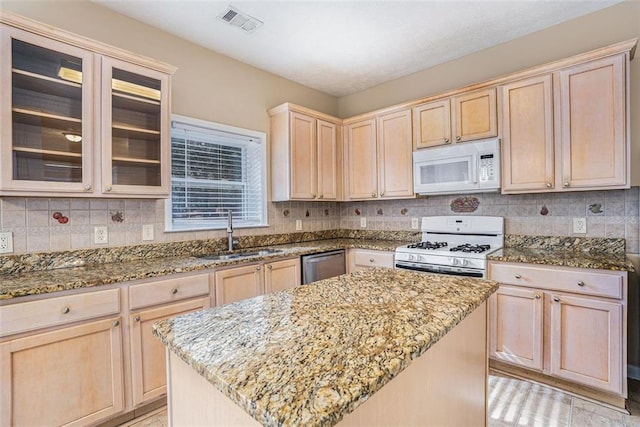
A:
(32, 315)
(162, 291)
(564, 279)
(373, 259)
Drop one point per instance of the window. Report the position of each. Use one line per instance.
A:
(216, 169)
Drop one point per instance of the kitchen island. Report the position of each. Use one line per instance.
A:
(375, 347)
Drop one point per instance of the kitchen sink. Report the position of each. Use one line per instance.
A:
(223, 257)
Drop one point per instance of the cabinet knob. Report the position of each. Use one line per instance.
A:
(174, 291)
(320, 196)
(458, 138)
(556, 299)
(373, 194)
(446, 140)
(137, 318)
(270, 267)
(537, 296)
(565, 184)
(107, 188)
(87, 187)
(258, 268)
(549, 185)
(115, 323)
(382, 194)
(372, 260)
(313, 196)
(580, 283)
(518, 276)
(65, 310)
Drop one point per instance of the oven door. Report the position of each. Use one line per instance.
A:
(457, 174)
(441, 269)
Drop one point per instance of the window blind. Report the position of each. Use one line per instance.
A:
(213, 172)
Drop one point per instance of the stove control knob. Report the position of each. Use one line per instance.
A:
(412, 257)
(420, 258)
(465, 262)
(454, 261)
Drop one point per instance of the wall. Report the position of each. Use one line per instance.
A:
(599, 29)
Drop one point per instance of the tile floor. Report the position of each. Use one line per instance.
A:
(512, 402)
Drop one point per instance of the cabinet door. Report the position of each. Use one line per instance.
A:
(148, 367)
(71, 376)
(361, 161)
(135, 129)
(395, 155)
(586, 342)
(592, 116)
(281, 275)
(239, 283)
(527, 135)
(46, 115)
(303, 157)
(432, 124)
(475, 115)
(327, 160)
(515, 326)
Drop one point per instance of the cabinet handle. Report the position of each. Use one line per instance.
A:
(108, 188)
(537, 296)
(372, 260)
(518, 276)
(549, 185)
(556, 299)
(65, 310)
(87, 187)
(373, 194)
(446, 140)
(270, 267)
(566, 184)
(115, 323)
(258, 268)
(458, 138)
(137, 318)
(174, 291)
(580, 283)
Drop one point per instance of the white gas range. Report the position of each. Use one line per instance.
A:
(453, 245)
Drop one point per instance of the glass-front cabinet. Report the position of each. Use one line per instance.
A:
(81, 120)
(135, 148)
(47, 111)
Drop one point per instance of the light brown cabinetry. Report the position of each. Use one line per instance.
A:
(76, 120)
(151, 302)
(465, 117)
(364, 259)
(567, 323)
(305, 154)
(379, 157)
(249, 281)
(566, 131)
(72, 375)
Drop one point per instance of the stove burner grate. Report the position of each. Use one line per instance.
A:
(428, 245)
(478, 249)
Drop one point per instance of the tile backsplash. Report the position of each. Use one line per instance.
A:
(611, 213)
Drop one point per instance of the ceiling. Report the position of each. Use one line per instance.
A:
(343, 47)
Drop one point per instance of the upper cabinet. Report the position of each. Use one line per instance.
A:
(305, 154)
(465, 117)
(76, 121)
(567, 130)
(378, 160)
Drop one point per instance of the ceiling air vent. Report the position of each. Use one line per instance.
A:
(239, 19)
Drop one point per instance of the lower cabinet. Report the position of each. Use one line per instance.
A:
(68, 376)
(567, 323)
(148, 366)
(364, 259)
(249, 281)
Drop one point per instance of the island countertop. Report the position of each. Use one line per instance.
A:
(312, 354)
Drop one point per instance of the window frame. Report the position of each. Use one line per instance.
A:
(210, 125)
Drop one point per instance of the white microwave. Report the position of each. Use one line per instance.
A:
(467, 167)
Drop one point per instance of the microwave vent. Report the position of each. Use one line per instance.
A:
(236, 18)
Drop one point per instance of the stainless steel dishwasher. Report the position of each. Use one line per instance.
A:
(322, 266)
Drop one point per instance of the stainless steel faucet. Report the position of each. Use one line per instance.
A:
(230, 230)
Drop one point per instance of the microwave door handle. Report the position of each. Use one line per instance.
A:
(474, 169)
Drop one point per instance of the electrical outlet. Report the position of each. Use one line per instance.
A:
(6, 242)
(147, 232)
(100, 235)
(580, 225)
(298, 224)
(414, 223)
(363, 222)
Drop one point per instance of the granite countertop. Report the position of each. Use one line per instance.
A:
(47, 281)
(564, 258)
(312, 354)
